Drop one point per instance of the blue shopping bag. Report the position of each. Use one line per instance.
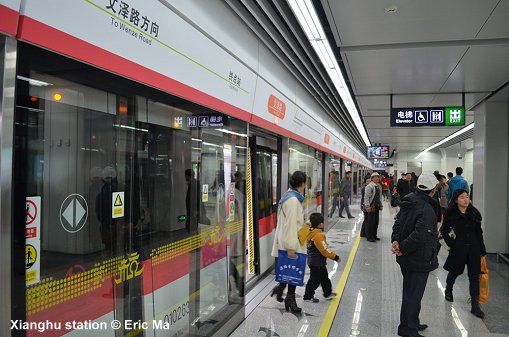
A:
(290, 270)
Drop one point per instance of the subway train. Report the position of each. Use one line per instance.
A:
(148, 169)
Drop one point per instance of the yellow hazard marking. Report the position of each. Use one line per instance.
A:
(340, 287)
(118, 201)
(250, 214)
(51, 292)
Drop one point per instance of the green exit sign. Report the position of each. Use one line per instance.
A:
(455, 115)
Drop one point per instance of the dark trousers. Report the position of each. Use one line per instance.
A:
(319, 276)
(387, 194)
(335, 202)
(472, 278)
(345, 204)
(291, 288)
(414, 284)
(364, 225)
(373, 219)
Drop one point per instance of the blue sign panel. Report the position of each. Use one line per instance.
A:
(408, 117)
(207, 121)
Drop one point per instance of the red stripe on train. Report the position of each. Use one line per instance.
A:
(86, 307)
(8, 20)
(266, 225)
(41, 34)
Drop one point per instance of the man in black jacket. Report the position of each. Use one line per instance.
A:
(404, 186)
(414, 241)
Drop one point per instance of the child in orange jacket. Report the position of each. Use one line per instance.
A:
(318, 252)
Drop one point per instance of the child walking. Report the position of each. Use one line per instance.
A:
(318, 252)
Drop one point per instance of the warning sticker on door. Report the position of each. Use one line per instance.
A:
(231, 200)
(32, 262)
(33, 239)
(117, 205)
(33, 217)
(205, 193)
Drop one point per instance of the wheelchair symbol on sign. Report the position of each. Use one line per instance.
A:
(421, 116)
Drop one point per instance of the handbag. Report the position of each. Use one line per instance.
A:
(441, 240)
(290, 270)
(484, 287)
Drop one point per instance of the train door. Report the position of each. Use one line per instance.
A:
(264, 179)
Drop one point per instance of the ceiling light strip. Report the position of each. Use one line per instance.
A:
(308, 19)
(448, 138)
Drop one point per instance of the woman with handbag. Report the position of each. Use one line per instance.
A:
(466, 246)
(290, 221)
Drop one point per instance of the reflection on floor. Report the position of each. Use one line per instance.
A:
(371, 300)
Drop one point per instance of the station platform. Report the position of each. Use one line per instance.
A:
(368, 282)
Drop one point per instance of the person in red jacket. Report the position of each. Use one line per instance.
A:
(386, 187)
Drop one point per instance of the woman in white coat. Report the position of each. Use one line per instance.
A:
(290, 220)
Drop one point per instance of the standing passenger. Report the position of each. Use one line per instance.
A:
(318, 252)
(413, 182)
(404, 187)
(345, 190)
(367, 180)
(386, 187)
(335, 192)
(443, 193)
(290, 219)
(449, 177)
(373, 205)
(467, 246)
(457, 183)
(414, 241)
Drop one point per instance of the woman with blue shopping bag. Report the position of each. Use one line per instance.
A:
(286, 240)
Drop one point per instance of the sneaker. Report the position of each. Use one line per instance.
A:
(331, 295)
(351, 217)
(311, 300)
(341, 216)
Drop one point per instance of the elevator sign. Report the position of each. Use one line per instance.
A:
(441, 116)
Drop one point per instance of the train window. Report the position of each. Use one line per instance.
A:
(309, 160)
(333, 170)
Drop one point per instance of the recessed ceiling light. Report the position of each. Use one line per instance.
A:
(391, 10)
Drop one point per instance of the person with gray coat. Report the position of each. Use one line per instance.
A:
(373, 206)
(345, 190)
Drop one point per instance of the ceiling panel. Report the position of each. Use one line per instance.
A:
(426, 54)
(401, 70)
(377, 122)
(411, 147)
(364, 22)
(404, 101)
(473, 99)
(501, 96)
(498, 24)
(482, 68)
(422, 139)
